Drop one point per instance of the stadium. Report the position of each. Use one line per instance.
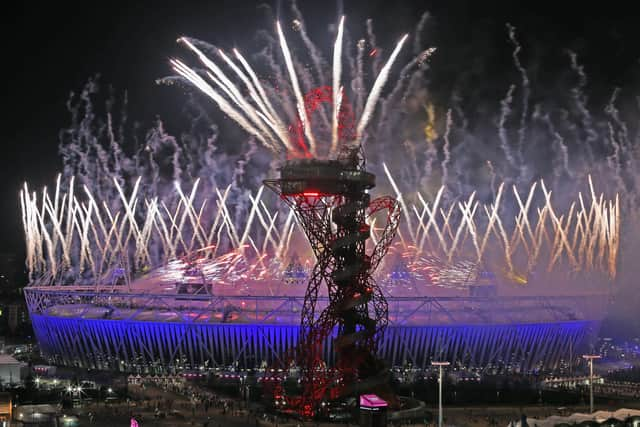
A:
(90, 332)
(204, 276)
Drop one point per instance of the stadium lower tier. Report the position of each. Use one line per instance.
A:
(143, 346)
(168, 333)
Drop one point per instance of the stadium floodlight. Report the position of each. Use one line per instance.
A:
(591, 358)
(440, 366)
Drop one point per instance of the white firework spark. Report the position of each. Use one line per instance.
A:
(70, 237)
(257, 115)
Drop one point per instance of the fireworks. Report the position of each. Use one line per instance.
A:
(259, 117)
(75, 238)
(115, 220)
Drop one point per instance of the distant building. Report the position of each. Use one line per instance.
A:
(5, 408)
(42, 414)
(44, 370)
(8, 268)
(17, 315)
(9, 369)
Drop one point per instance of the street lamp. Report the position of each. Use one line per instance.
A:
(244, 387)
(440, 365)
(590, 358)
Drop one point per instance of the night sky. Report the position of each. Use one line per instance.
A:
(53, 48)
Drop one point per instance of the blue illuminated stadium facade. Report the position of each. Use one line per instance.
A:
(159, 333)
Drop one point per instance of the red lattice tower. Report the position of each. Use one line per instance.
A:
(331, 201)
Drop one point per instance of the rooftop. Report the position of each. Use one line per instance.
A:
(5, 359)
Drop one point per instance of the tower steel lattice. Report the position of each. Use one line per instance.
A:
(331, 201)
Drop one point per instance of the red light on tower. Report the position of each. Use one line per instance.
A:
(311, 194)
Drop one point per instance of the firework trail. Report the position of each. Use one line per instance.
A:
(314, 52)
(358, 81)
(580, 102)
(337, 89)
(502, 131)
(561, 160)
(375, 51)
(417, 38)
(302, 111)
(374, 95)
(522, 131)
(446, 150)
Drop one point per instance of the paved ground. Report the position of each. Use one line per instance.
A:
(464, 417)
(177, 411)
(196, 415)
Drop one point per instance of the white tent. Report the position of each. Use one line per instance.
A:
(599, 416)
